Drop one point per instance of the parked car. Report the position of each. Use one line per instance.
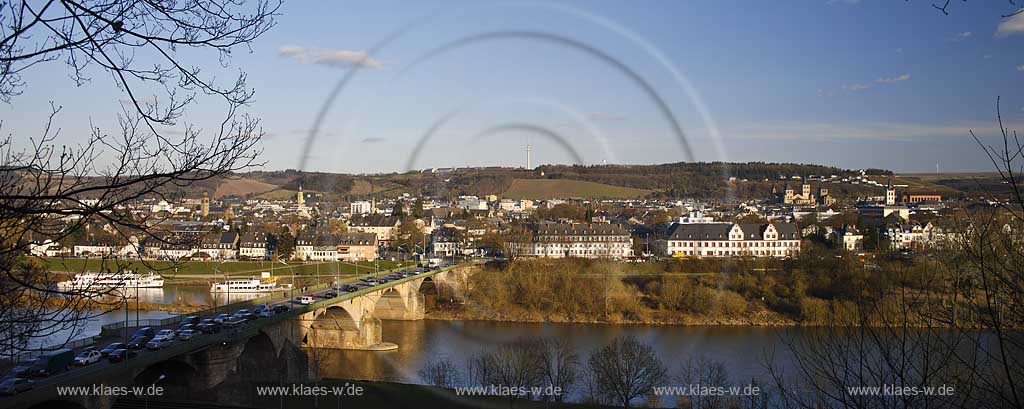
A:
(221, 318)
(306, 299)
(184, 327)
(163, 334)
(185, 335)
(138, 342)
(233, 322)
(330, 294)
(24, 369)
(52, 362)
(88, 357)
(242, 313)
(208, 327)
(159, 343)
(14, 386)
(144, 332)
(112, 347)
(280, 308)
(191, 319)
(119, 355)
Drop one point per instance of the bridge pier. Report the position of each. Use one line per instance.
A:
(342, 334)
(394, 307)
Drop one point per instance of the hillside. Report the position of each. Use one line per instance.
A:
(567, 188)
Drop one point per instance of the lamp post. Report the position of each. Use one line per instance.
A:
(162, 376)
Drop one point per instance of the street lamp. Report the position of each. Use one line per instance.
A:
(162, 376)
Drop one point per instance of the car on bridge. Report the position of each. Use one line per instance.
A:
(119, 355)
(23, 369)
(330, 294)
(159, 343)
(185, 335)
(349, 288)
(267, 312)
(234, 322)
(208, 326)
(112, 347)
(144, 332)
(184, 327)
(88, 357)
(370, 281)
(191, 319)
(306, 299)
(279, 308)
(221, 318)
(164, 333)
(139, 342)
(13, 386)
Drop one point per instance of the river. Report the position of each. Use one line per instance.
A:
(742, 350)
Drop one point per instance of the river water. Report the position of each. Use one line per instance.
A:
(742, 350)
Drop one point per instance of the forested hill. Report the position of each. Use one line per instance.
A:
(699, 180)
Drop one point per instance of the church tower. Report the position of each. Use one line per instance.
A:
(205, 206)
(890, 194)
(300, 198)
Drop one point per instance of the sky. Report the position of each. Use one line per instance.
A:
(854, 84)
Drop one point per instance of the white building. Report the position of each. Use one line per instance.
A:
(558, 240)
(729, 240)
(361, 207)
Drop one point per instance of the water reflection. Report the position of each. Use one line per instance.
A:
(743, 350)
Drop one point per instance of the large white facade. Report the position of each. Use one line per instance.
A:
(730, 240)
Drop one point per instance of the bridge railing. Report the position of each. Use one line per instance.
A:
(32, 354)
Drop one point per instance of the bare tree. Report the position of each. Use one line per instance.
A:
(441, 372)
(53, 191)
(514, 367)
(706, 373)
(561, 367)
(626, 369)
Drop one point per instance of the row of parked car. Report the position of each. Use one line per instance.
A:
(365, 282)
(53, 362)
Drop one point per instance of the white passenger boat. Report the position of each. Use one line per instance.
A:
(105, 281)
(263, 284)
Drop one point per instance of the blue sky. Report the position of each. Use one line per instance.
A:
(855, 84)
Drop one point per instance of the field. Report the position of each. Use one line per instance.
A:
(567, 188)
(196, 268)
(241, 187)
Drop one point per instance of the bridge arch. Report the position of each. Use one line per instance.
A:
(177, 374)
(259, 359)
(338, 328)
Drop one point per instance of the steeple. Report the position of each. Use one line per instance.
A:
(300, 198)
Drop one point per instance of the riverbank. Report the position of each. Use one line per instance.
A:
(759, 319)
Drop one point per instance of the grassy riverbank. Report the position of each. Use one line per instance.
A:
(795, 292)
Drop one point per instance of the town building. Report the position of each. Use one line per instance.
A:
(729, 240)
(357, 246)
(558, 240)
(253, 246)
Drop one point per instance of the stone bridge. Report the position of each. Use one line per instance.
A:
(270, 351)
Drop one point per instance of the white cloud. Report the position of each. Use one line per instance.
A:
(856, 87)
(962, 35)
(372, 139)
(891, 80)
(1020, 67)
(328, 57)
(987, 56)
(1011, 25)
(899, 50)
